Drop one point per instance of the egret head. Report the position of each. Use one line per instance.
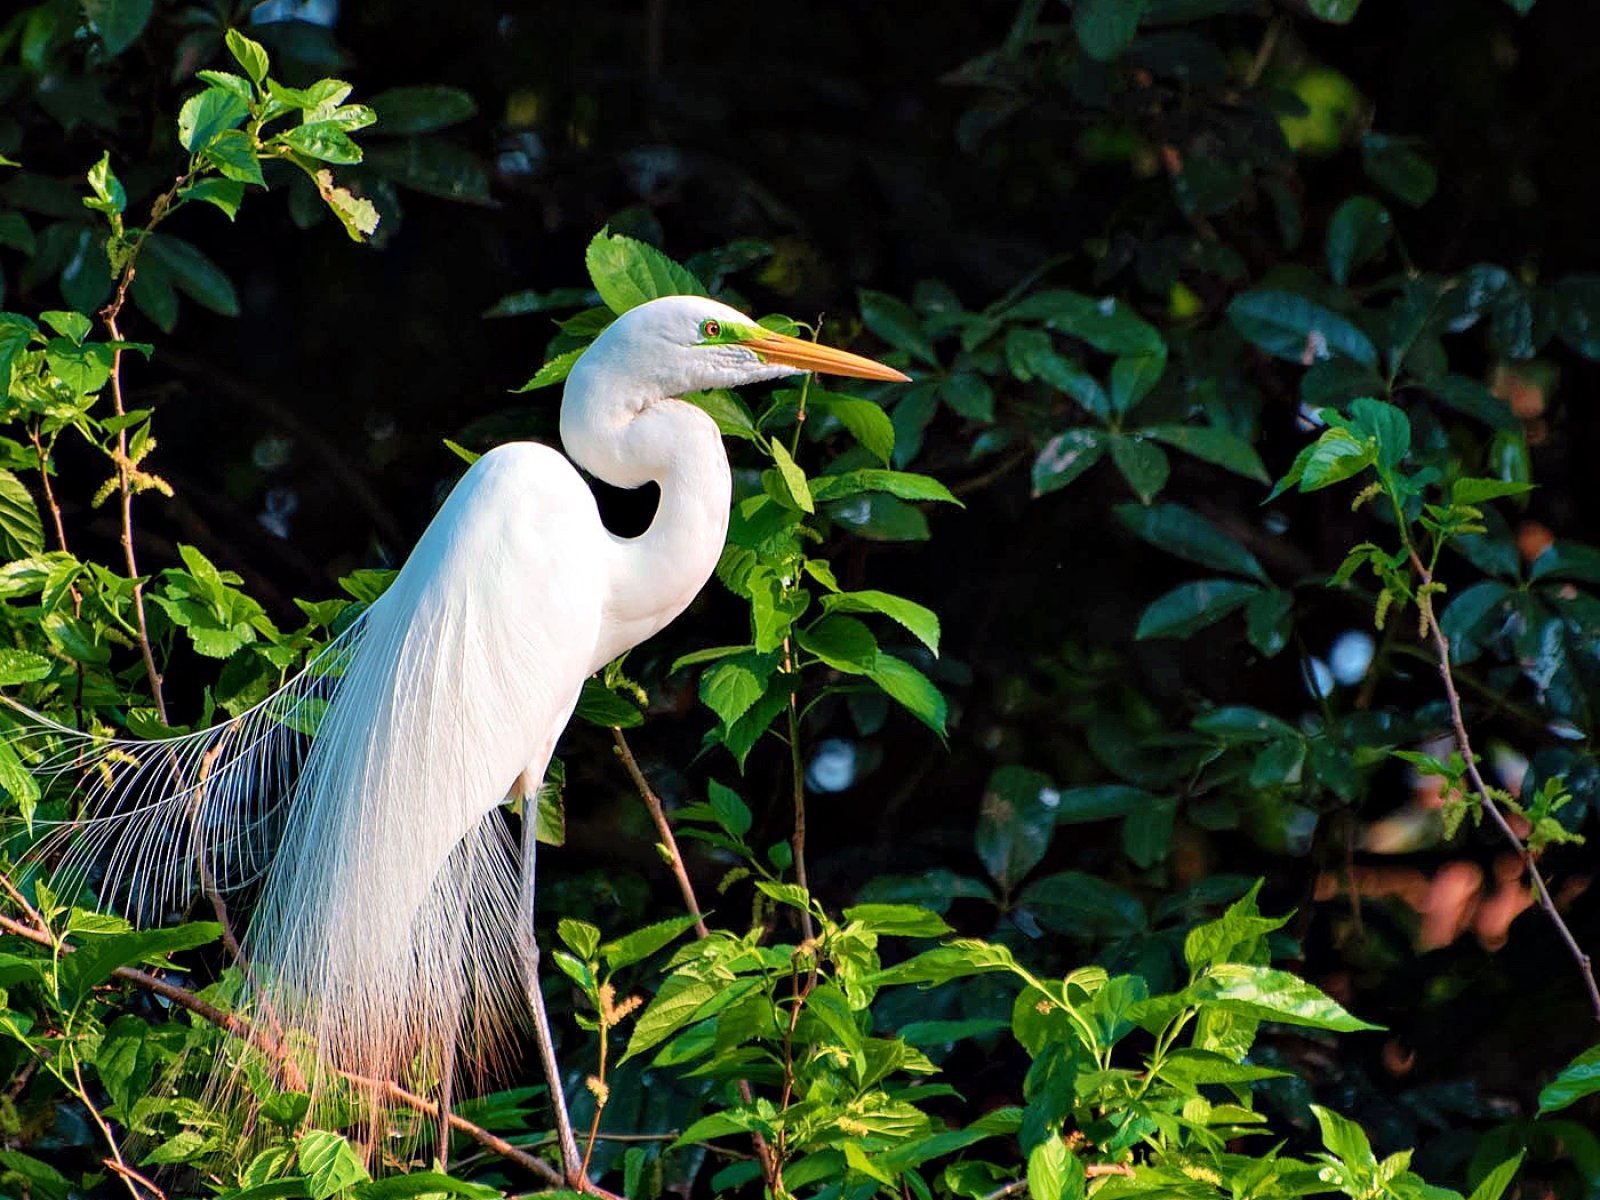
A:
(670, 347)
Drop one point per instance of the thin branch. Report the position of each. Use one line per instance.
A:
(131, 1178)
(664, 828)
(771, 1171)
(797, 783)
(1458, 726)
(125, 476)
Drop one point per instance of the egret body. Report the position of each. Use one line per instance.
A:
(395, 920)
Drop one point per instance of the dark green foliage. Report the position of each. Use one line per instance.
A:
(1240, 356)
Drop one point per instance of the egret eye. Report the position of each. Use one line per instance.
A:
(710, 329)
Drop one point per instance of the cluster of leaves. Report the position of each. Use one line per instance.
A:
(803, 623)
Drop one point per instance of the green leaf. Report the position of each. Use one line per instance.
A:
(109, 195)
(1193, 606)
(1143, 464)
(911, 689)
(1147, 832)
(1106, 28)
(626, 272)
(1134, 376)
(1357, 234)
(226, 194)
(1579, 1078)
(582, 938)
(599, 705)
(553, 371)
(1337, 12)
(73, 326)
(1100, 802)
(1015, 824)
(1184, 532)
(1494, 1184)
(674, 1006)
(969, 395)
(248, 54)
(1290, 327)
(844, 643)
(234, 155)
(1267, 620)
(864, 420)
(1083, 906)
(731, 812)
(118, 22)
(735, 683)
(1476, 491)
(1054, 1172)
(894, 322)
(21, 528)
(794, 479)
(1394, 165)
(98, 956)
(329, 1163)
(1335, 457)
(957, 960)
(193, 273)
(21, 666)
(904, 484)
(922, 623)
(325, 141)
(430, 1185)
(728, 411)
(1213, 445)
(642, 943)
(421, 109)
(1269, 994)
(1067, 456)
(1239, 935)
(204, 116)
(898, 920)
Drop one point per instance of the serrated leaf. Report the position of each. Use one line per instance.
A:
(204, 116)
(21, 528)
(642, 943)
(911, 689)
(627, 273)
(842, 642)
(554, 371)
(325, 141)
(922, 623)
(794, 478)
(864, 420)
(249, 54)
(329, 1163)
(1269, 994)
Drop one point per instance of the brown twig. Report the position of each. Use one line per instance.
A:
(797, 783)
(1458, 726)
(237, 1026)
(109, 316)
(131, 1178)
(663, 828)
(771, 1170)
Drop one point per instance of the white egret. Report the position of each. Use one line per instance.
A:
(394, 923)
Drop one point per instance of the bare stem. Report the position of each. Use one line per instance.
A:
(797, 781)
(771, 1169)
(663, 828)
(131, 1178)
(1458, 726)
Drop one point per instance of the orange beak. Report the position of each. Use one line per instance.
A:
(825, 360)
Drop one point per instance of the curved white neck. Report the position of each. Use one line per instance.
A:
(626, 443)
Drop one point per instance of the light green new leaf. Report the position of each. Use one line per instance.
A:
(910, 688)
(554, 371)
(1269, 994)
(204, 116)
(21, 528)
(329, 1163)
(794, 478)
(906, 485)
(248, 54)
(1054, 1171)
(626, 272)
(1495, 1183)
(922, 623)
(898, 920)
(1579, 1078)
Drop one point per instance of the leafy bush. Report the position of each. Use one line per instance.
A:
(1117, 1015)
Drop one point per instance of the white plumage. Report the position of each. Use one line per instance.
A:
(394, 924)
